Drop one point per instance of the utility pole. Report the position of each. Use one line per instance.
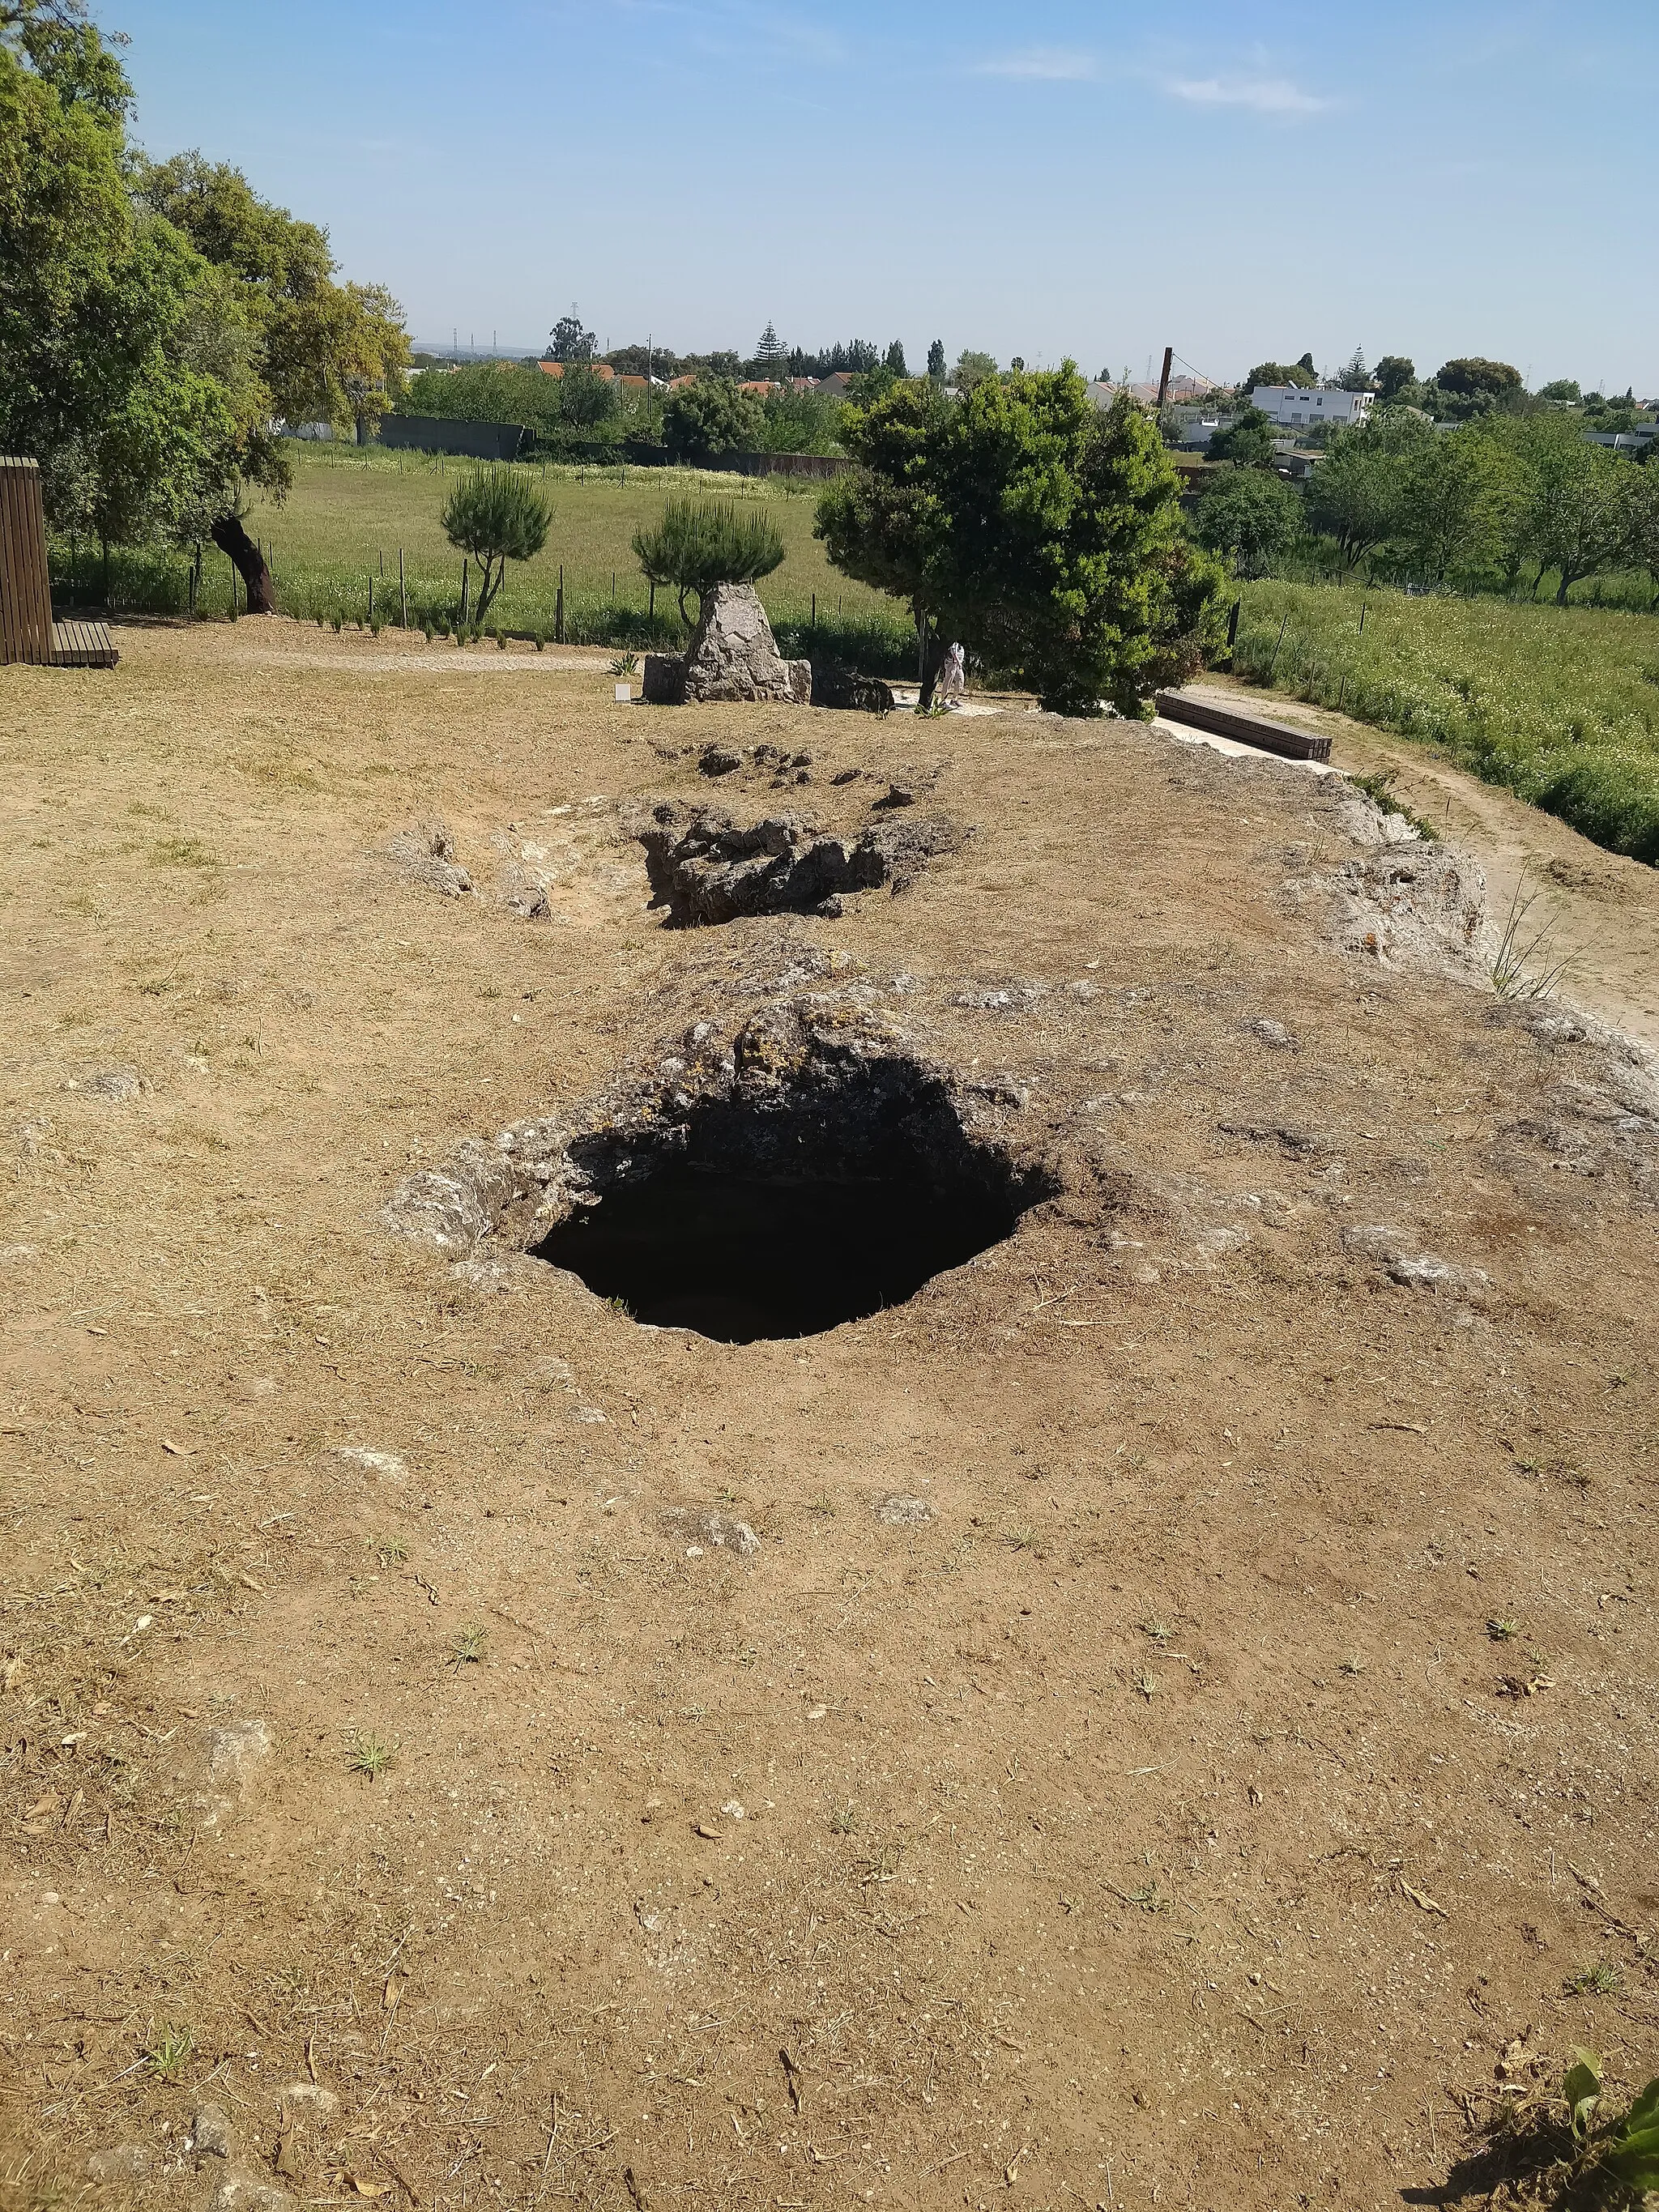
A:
(1163, 381)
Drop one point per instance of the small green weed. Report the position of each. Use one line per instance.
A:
(370, 1755)
(843, 1819)
(1380, 787)
(1603, 1979)
(172, 2051)
(468, 1649)
(1502, 1631)
(391, 1553)
(182, 852)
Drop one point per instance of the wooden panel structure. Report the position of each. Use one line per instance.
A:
(27, 632)
(24, 591)
(1244, 729)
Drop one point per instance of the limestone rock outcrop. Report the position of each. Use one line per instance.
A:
(732, 655)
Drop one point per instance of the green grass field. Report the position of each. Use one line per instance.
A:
(350, 511)
(1560, 705)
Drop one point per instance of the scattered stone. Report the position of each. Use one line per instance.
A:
(426, 854)
(708, 868)
(17, 1255)
(1014, 998)
(210, 2132)
(121, 2162)
(718, 760)
(372, 1461)
(897, 794)
(120, 1084)
(717, 1530)
(485, 1271)
(525, 895)
(901, 1512)
(445, 1210)
(835, 685)
(236, 1746)
(1418, 1271)
(550, 1373)
(1273, 1033)
(846, 775)
(662, 680)
(309, 2100)
(591, 1416)
(732, 655)
(248, 2192)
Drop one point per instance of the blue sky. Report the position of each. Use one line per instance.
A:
(1241, 181)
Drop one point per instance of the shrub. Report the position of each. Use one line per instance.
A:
(495, 517)
(698, 544)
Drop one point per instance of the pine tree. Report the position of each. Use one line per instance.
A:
(936, 361)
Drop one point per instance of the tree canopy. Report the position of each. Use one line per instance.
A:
(1036, 530)
(1279, 372)
(1250, 516)
(711, 416)
(495, 517)
(1247, 441)
(696, 544)
(154, 318)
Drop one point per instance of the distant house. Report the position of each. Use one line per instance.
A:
(1299, 407)
(602, 369)
(838, 384)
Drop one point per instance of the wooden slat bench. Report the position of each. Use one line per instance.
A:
(1245, 729)
(78, 644)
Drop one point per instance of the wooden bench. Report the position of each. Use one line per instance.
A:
(1255, 730)
(78, 644)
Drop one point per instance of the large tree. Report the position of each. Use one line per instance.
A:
(1036, 530)
(1247, 441)
(1357, 494)
(714, 416)
(319, 351)
(154, 320)
(1250, 516)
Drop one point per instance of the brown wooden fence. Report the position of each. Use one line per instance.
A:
(25, 589)
(28, 633)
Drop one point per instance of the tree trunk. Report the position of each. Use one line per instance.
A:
(932, 661)
(1568, 578)
(229, 535)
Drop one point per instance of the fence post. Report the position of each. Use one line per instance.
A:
(371, 599)
(402, 589)
(814, 631)
(558, 609)
(466, 586)
(1232, 624)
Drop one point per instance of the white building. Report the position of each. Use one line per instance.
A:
(1299, 406)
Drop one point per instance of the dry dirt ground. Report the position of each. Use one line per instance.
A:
(1250, 1734)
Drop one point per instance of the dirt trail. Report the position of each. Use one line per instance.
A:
(1593, 911)
(1164, 1715)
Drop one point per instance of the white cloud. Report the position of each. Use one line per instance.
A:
(1050, 64)
(1266, 95)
